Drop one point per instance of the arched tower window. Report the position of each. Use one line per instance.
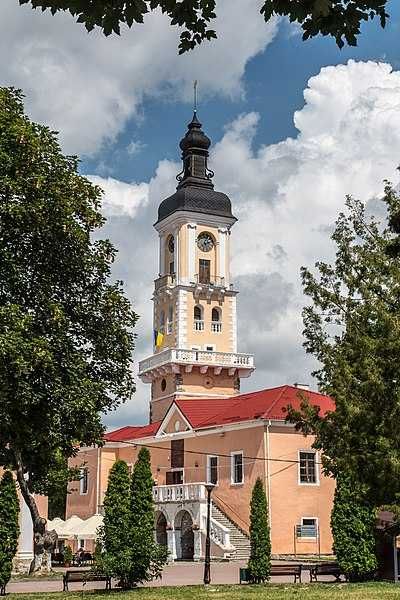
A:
(162, 321)
(216, 324)
(198, 318)
(170, 255)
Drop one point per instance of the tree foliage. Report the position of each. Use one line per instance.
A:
(9, 526)
(130, 552)
(353, 526)
(352, 327)
(260, 543)
(114, 534)
(337, 18)
(65, 329)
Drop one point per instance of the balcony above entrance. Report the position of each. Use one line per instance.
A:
(175, 360)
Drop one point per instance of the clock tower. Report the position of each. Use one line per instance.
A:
(195, 343)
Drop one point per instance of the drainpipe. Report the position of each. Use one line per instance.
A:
(267, 469)
(98, 482)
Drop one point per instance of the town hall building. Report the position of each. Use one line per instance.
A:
(201, 428)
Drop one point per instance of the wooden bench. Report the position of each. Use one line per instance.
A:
(326, 568)
(288, 570)
(83, 577)
(285, 570)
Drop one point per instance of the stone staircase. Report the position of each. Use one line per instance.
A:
(237, 538)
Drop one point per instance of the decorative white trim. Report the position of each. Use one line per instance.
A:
(233, 315)
(181, 217)
(317, 478)
(177, 265)
(181, 318)
(236, 453)
(169, 414)
(162, 240)
(222, 231)
(191, 250)
(208, 468)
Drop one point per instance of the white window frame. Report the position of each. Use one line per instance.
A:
(316, 528)
(316, 454)
(209, 457)
(81, 480)
(233, 454)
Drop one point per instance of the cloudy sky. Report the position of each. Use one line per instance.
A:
(295, 127)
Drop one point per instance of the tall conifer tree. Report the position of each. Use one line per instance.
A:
(150, 557)
(353, 525)
(260, 543)
(9, 527)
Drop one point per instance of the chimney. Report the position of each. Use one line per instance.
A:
(302, 386)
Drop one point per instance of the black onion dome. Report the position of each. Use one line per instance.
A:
(196, 199)
(195, 137)
(195, 191)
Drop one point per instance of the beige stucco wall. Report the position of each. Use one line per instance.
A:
(84, 505)
(289, 501)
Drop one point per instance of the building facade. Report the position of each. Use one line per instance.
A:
(201, 428)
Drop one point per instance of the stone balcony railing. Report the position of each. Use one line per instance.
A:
(185, 492)
(164, 281)
(197, 357)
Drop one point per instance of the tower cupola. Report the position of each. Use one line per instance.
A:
(195, 191)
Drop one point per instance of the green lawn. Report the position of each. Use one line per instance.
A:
(371, 591)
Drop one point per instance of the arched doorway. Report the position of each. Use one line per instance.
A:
(161, 529)
(185, 536)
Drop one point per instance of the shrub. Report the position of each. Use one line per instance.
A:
(260, 544)
(353, 525)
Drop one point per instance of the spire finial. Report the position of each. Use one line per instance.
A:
(195, 95)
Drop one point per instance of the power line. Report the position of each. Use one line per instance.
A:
(200, 453)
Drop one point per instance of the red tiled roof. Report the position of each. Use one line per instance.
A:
(197, 410)
(207, 412)
(265, 404)
(131, 433)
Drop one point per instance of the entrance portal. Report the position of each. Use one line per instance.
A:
(185, 536)
(161, 530)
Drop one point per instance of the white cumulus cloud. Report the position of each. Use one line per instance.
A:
(88, 86)
(287, 197)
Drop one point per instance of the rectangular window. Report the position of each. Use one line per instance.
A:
(204, 271)
(308, 467)
(237, 475)
(174, 477)
(308, 528)
(177, 454)
(84, 481)
(82, 544)
(171, 268)
(212, 469)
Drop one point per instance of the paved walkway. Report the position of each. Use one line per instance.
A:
(176, 574)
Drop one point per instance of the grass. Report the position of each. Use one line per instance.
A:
(327, 591)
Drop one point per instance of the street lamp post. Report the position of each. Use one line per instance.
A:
(207, 559)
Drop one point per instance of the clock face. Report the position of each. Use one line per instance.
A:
(205, 242)
(171, 244)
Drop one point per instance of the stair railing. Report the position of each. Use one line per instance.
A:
(232, 515)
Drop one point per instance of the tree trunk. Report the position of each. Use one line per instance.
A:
(43, 541)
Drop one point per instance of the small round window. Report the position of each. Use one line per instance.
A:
(163, 385)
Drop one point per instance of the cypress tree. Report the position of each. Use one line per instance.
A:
(9, 527)
(149, 557)
(114, 535)
(353, 525)
(260, 544)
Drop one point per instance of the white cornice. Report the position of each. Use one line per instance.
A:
(182, 217)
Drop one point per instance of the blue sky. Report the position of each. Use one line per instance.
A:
(295, 127)
(274, 81)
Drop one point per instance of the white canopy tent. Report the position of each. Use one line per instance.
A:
(75, 527)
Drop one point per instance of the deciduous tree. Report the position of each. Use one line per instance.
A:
(260, 542)
(66, 329)
(337, 18)
(352, 326)
(9, 527)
